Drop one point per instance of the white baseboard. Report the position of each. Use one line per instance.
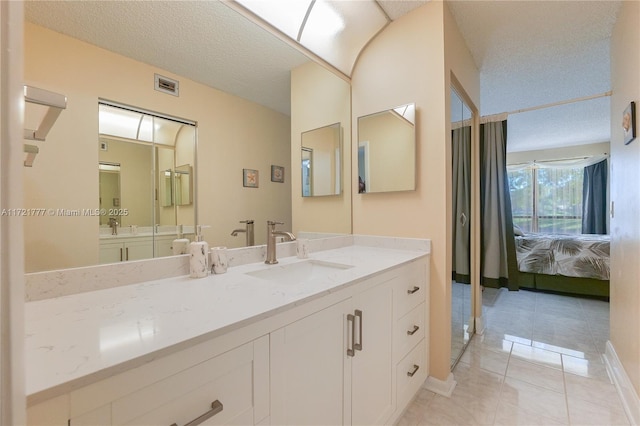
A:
(444, 388)
(623, 384)
(481, 325)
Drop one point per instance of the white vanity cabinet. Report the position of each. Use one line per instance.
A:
(231, 389)
(352, 352)
(127, 248)
(410, 297)
(343, 364)
(163, 245)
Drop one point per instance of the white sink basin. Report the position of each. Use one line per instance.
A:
(300, 271)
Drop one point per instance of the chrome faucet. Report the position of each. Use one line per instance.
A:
(113, 224)
(271, 240)
(248, 230)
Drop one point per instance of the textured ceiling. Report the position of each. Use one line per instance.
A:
(534, 53)
(529, 53)
(205, 41)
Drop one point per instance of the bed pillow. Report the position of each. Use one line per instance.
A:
(517, 231)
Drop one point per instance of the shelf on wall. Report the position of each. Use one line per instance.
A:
(55, 103)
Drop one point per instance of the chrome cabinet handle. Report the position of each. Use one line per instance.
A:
(412, 332)
(216, 407)
(415, 369)
(358, 346)
(413, 290)
(352, 319)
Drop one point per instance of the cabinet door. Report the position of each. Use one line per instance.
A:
(163, 246)
(139, 249)
(111, 252)
(372, 399)
(307, 369)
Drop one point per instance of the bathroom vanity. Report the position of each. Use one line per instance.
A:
(338, 338)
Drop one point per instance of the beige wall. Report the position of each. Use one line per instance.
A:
(232, 134)
(625, 193)
(184, 154)
(406, 63)
(319, 98)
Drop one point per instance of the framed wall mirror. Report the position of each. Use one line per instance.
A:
(321, 161)
(387, 150)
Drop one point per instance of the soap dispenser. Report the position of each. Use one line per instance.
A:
(199, 251)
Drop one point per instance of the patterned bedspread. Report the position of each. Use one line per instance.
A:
(583, 255)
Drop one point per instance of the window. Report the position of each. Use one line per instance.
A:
(547, 200)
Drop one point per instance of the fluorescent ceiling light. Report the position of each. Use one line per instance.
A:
(335, 30)
(324, 21)
(285, 15)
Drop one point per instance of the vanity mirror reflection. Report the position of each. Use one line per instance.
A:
(243, 108)
(140, 207)
(387, 150)
(321, 161)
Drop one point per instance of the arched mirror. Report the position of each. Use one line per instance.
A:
(461, 300)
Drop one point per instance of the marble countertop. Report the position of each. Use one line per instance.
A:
(70, 338)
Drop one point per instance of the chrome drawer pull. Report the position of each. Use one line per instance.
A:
(352, 319)
(412, 332)
(216, 407)
(358, 346)
(415, 369)
(413, 290)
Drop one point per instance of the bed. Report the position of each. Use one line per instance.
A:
(573, 264)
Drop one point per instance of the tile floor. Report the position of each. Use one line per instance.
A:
(538, 363)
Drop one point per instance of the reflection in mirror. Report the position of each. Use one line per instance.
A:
(461, 230)
(153, 204)
(109, 190)
(387, 150)
(166, 188)
(183, 185)
(321, 161)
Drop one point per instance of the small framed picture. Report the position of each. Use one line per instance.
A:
(629, 123)
(277, 174)
(250, 178)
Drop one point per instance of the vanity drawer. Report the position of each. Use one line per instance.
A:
(189, 394)
(409, 330)
(411, 372)
(410, 289)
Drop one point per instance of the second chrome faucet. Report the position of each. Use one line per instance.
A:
(248, 231)
(271, 240)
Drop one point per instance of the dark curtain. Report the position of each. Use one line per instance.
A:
(461, 199)
(499, 266)
(594, 199)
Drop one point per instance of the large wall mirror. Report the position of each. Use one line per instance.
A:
(321, 161)
(243, 110)
(145, 194)
(387, 150)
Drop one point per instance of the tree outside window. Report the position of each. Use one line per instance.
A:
(547, 200)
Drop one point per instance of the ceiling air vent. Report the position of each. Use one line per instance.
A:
(167, 85)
